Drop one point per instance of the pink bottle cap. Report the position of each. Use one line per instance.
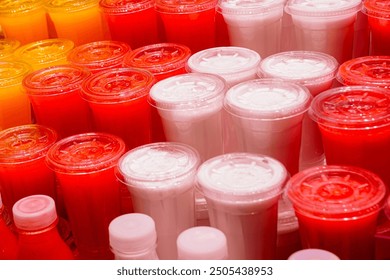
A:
(13, 72)
(336, 192)
(377, 8)
(7, 47)
(132, 233)
(324, 8)
(184, 7)
(25, 143)
(125, 6)
(158, 58)
(366, 70)
(100, 55)
(244, 7)
(202, 243)
(352, 107)
(117, 85)
(84, 153)
(313, 254)
(34, 212)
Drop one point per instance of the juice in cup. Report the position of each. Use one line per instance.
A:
(45, 53)
(234, 64)
(242, 192)
(337, 208)
(265, 116)
(355, 126)
(84, 167)
(325, 26)
(365, 71)
(100, 55)
(77, 20)
(23, 20)
(255, 25)
(7, 48)
(131, 21)
(15, 108)
(54, 93)
(161, 179)
(189, 22)
(118, 101)
(378, 14)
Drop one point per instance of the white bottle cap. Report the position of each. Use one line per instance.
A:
(202, 243)
(313, 254)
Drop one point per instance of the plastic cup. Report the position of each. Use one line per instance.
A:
(118, 101)
(190, 22)
(45, 53)
(100, 55)
(355, 126)
(325, 26)
(242, 192)
(23, 20)
(361, 40)
(234, 64)
(7, 48)
(131, 21)
(313, 254)
(265, 116)
(288, 41)
(84, 168)
(365, 71)
(161, 180)
(337, 208)
(378, 14)
(255, 25)
(54, 93)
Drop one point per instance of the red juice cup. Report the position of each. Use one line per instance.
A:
(84, 167)
(118, 99)
(7, 48)
(378, 14)
(131, 21)
(100, 55)
(189, 22)
(355, 127)
(337, 208)
(54, 93)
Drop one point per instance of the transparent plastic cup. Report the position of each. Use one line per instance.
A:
(7, 48)
(313, 254)
(256, 25)
(234, 64)
(161, 180)
(242, 192)
(325, 26)
(337, 208)
(265, 116)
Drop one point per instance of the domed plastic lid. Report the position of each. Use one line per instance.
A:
(352, 107)
(377, 8)
(287, 220)
(99, 55)
(69, 5)
(55, 80)
(267, 99)
(13, 72)
(366, 70)
(158, 58)
(125, 6)
(241, 177)
(305, 67)
(202, 243)
(132, 233)
(313, 254)
(25, 143)
(322, 8)
(8, 7)
(117, 85)
(336, 192)
(34, 212)
(7, 47)
(87, 152)
(184, 7)
(245, 7)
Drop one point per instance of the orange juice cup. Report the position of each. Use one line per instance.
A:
(7, 48)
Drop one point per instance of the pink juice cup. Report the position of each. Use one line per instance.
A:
(337, 208)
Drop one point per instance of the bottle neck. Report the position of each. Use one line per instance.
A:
(49, 230)
(148, 254)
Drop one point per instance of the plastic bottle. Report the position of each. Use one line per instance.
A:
(8, 241)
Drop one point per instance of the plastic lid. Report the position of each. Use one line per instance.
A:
(25, 143)
(132, 233)
(267, 99)
(336, 192)
(117, 85)
(245, 7)
(85, 153)
(12, 7)
(313, 254)
(386, 208)
(55, 80)
(125, 6)
(99, 55)
(377, 8)
(13, 72)
(352, 107)
(287, 220)
(158, 58)
(7, 47)
(186, 6)
(322, 8)
(305, 67)
(202, 243)
(366, 70)
(69, 6)
(241, 177)
(34, 212)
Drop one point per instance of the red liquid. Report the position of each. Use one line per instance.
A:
(8, 241)
(380, 35)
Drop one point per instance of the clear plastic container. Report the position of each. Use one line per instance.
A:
(7, 48)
